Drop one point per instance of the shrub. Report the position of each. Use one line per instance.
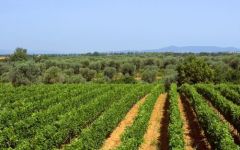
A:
(20, 54)
(128, 69)
(109, 72)
(149, 75)
(75, 79)
(87, 73)
(24, 74)
(53, 75)
(95, 66)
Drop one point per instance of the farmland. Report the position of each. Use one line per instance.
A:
(120, 101)
(119, 116)
(119, 75)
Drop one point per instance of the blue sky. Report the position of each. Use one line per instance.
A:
(102, 25)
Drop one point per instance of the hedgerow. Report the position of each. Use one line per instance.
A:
(217, 131)
(175, 128)
(133, 135)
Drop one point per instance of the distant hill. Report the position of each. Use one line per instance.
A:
(175, 49)
(195, 49)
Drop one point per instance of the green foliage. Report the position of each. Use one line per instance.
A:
(39, 58)
(114, 64)
(175, 128)
(194, 70)
(4, 68)
(75, 79)
(137, 63)
(234, 76)
(128, 69)
(235, 63)
(149, 75)
(69, 71)
(46, 104)
(226, 107)
(149, 62)
(127, 79)
(85, 63)
(94, 136)
(222, 73)
(229, 93)
(235, 87)
(20, 54)
(223, 67)
(109, 72)
(82, 110)
(133, 135)
(53, 75)
(217, 131)
(95, 66)
(24, 74)
(5, 78)
(87, 73)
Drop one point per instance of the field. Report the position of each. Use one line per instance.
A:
(2, 58)
(120, 116)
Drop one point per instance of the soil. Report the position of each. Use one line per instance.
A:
(114, 139)
(157, 128)
(193, 134)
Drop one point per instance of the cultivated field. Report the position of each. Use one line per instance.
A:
(120, 116)
(2, 58)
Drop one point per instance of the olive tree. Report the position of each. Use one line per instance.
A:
(128, 69)
(53, 75)
(149, 75)
(20, 54)
(24, 74)
(87, 73)
(194, 70)
(109, 72)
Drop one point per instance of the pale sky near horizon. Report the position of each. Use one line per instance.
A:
(102, 25)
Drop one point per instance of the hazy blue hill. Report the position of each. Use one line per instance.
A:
(195, 49)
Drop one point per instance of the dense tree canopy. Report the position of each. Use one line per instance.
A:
(20, 54)
(128, 69)
(194, 70)
(53, 75)
(109, 72)
(23, 69)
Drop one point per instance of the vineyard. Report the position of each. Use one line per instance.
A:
(120, 116)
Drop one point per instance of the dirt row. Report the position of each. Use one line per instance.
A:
(193, 134)
(156, 136)
(158, 122)
(152, 136)
(115, 138)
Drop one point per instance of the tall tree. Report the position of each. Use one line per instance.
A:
(194, 70)
(20, 54)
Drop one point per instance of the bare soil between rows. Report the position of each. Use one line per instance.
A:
(114, 139)
(157, 127)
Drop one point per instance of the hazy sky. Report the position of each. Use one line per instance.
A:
(88, 25)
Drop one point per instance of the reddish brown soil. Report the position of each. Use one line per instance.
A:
(156, 123)
(194, 136)
(114, 139)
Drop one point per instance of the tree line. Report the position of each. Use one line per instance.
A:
(20, 68)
